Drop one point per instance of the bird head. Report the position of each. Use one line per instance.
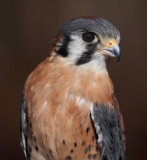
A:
(88, 42)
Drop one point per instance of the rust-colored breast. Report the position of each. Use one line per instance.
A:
(58, 107)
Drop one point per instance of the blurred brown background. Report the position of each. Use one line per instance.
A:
(27, 29)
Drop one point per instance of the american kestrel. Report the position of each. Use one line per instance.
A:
(69, 110)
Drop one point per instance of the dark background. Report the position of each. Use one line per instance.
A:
(27, 30)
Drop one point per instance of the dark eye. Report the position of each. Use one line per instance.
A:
(88, 36)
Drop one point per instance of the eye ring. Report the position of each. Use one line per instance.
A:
(88, 37)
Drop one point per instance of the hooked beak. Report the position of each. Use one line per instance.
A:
(112, 51)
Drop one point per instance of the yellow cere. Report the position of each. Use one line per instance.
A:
(111, 43)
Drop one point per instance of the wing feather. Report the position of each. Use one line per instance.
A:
(108, 128)
(24, 127)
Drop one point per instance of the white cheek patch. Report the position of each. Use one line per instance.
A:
(76, 47)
